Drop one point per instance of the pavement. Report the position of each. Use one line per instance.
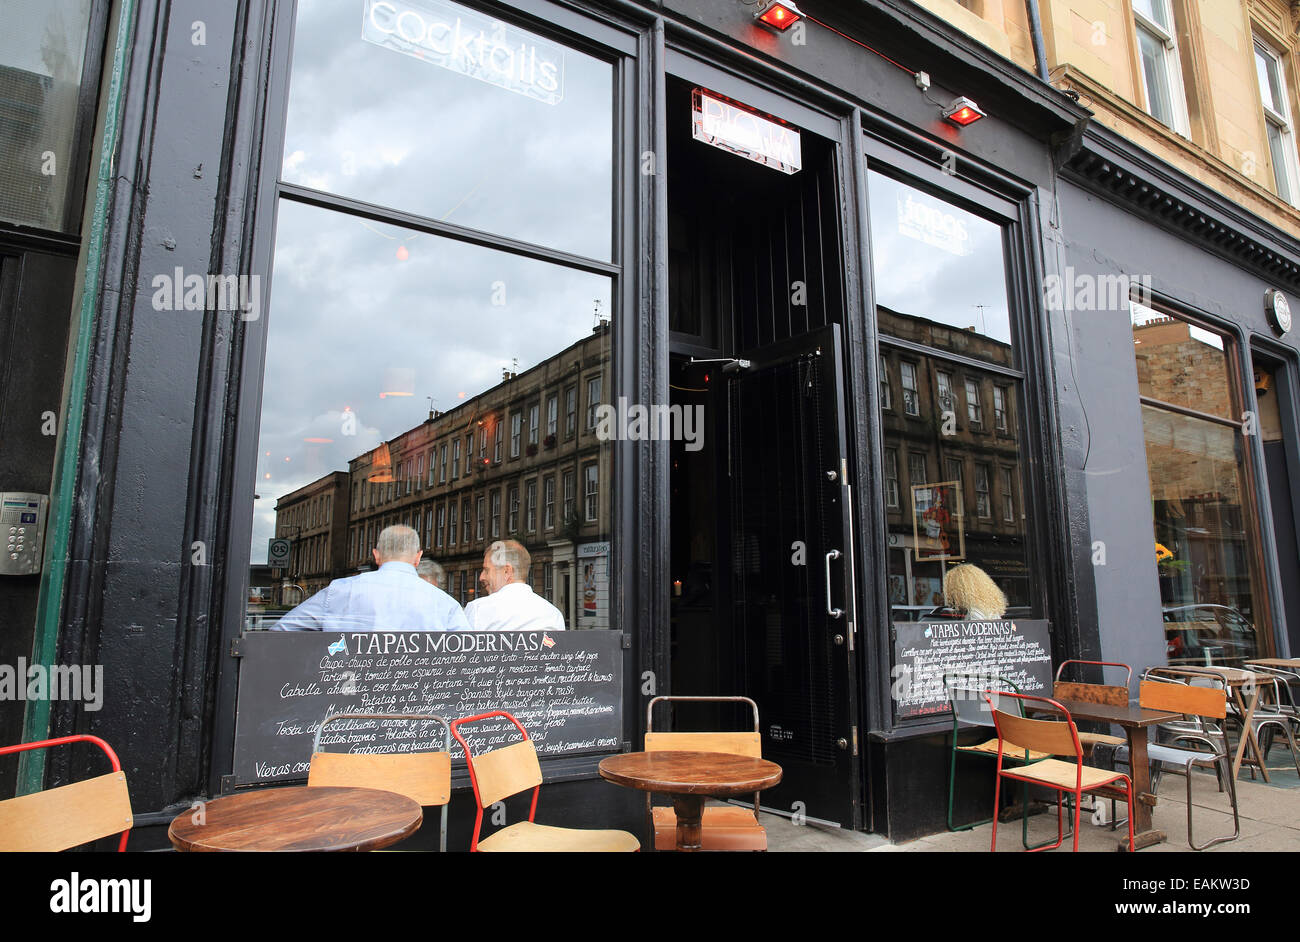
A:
(1270, 821)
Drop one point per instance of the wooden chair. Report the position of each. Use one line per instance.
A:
(70, 815)
(722, 827)
(1198, 702)
(507, 771)
(1054, 737)
(424, 777)
(966, 698)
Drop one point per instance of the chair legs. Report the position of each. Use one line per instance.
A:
(1218, 762)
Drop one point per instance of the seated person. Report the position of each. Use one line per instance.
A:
(511, 604)
(390, 598)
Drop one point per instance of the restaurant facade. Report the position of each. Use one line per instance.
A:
(313, 268)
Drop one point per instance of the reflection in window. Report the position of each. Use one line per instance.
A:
(939, 274)
(42, 51)
(1205, 538)
(402, 125)
(940, 269)
(358, 344)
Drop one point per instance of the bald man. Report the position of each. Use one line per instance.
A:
(390, 598)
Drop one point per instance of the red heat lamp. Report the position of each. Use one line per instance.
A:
(780, 15)
(962, 112)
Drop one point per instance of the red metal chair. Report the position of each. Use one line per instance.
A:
(507, 771)
(70, 815)
(1054, 737)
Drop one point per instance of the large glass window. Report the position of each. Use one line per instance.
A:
(1277, 122)
(1205, 534)
(391, 338)
(42, 53)
(940, 282)
(1161, 74)
(436, 109)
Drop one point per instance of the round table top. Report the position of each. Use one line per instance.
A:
(690, 773)
(320, 818)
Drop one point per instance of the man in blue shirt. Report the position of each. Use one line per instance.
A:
(390, 598)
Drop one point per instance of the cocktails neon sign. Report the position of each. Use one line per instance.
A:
(468, 43)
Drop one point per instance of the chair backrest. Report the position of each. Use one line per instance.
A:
(70, 815)
(424, 777)
(503, 772)
(970, 698)
(1054, 737)
(1183, 698)
(740, 744)
(1109, 694)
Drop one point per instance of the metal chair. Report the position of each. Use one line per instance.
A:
(1056, 738)
(1197, 702)
(512, 769)
(722, 828)
(69, 815)
(1270, 714)
(424, 777)
(968, 703)
(1115, 695)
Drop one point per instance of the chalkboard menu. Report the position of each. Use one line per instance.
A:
(565, 687)
(924, 651)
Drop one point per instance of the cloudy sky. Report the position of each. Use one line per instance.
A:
(359, 308)
(937, 261)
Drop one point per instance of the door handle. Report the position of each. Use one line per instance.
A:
(830, 610)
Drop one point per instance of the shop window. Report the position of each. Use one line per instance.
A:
(1277, 122)
(1162, 82)
(923, 245)
(1206, 541)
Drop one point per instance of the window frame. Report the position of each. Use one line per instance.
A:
(1289, 173)
(1171, 66)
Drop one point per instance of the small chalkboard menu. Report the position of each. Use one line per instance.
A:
(565, 687)
(924, 651)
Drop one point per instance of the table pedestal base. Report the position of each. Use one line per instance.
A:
(689, 810)
(1144, 839)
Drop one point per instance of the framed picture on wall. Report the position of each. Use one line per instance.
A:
(938, 527)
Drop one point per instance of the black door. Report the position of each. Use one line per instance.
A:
(792, 570)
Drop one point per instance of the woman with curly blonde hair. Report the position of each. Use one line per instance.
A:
(969, 590)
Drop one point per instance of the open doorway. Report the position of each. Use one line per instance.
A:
(761, 559)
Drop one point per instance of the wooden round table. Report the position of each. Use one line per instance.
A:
(298, 818)
(690, 778)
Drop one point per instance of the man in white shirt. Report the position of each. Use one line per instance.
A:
(390, 598)
(511, 604)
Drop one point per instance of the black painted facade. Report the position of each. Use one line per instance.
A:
(160, 451)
